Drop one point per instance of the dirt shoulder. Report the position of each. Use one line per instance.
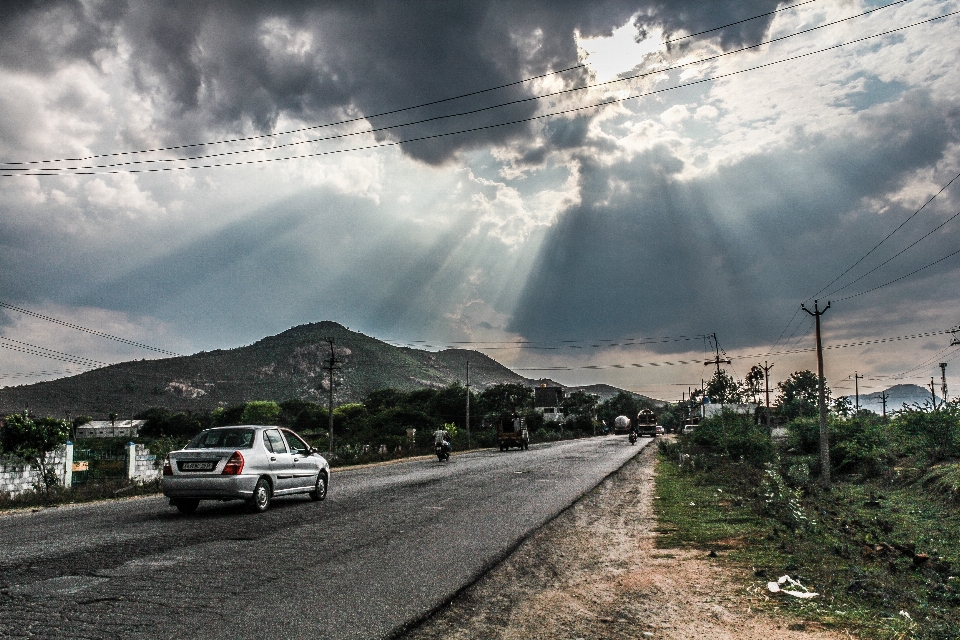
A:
(595, 572)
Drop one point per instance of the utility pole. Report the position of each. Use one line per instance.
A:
(943, 378)
(883, 398)
(766, 381)
(716, 360)
(824, 436)
(468, 405)
(933, 393)
(856, 386)
(331, 367)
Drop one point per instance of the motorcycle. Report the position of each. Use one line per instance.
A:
(443, 451)
(633, 437)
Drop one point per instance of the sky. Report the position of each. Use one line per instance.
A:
(583, 191)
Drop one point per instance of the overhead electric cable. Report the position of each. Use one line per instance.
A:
(38, 374)
(842, 345)
(84, 171)
(877, 246)
(950, 255)
(33, 349)
(85, 329)
(403, 109)
(925, 236)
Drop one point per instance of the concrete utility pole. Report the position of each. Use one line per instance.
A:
(883, 398)
(933, 394)
(766, 382)
(331, 367)
(824, 435)
(468, 404)
(856, 380)
(943, 378)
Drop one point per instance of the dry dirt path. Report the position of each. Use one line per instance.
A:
(595, 572)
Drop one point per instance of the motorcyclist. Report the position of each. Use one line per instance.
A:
(441, 438)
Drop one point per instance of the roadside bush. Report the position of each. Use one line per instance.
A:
(860, 445)
(935, 433)
(781, 502)
(735, 435)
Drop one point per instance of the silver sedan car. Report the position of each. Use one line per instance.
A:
(245, 462)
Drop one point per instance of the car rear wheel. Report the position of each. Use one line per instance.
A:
(188, 505)
(320, 489)
(260, 501)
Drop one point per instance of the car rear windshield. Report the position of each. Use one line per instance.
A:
(223, 439)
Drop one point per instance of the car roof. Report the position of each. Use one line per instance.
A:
(244, 426)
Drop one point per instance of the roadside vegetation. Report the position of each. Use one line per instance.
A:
(881, 545)
(389, 424)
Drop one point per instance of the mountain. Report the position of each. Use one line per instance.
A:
(898, 396)
(286, 366)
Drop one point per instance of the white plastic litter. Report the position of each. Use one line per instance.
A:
(777, 587)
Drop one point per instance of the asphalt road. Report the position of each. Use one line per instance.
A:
(389, 545)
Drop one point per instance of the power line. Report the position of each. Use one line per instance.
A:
(924, 237)
(32, 349)
(409, 108)
(77, 170)
(90, 331)
(950, 255)
(842, 345)
(877, 246)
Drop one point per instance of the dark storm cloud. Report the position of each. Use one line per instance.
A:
(736, 251)
(220, 65)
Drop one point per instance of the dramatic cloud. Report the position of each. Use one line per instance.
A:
(699, 198)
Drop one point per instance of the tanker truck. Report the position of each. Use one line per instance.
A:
(621, 425)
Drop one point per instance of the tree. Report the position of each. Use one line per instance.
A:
(723, 389)
(34, 441)
(506, 398)
(579, 404)
(754, 379)
(842, 406)
(580, 407)
(622, 404)
(798, 397)
(263, 412)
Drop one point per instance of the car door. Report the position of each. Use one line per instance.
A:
(304, 466)
(281, 461)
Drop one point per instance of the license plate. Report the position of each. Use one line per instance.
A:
(197, 466)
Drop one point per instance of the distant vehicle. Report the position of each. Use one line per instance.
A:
(512, 432)
(647, 423)
(621, 425)
(690, 424)
(660, 430)
(245, 462)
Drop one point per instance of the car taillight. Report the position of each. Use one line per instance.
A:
(167, 467)
(234, 465)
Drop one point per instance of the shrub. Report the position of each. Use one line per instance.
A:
(735, 435)
(33, 441)
(934, 432)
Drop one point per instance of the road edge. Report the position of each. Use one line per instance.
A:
(499, 558)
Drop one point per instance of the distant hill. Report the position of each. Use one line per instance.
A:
(898, 396)
(286, 366)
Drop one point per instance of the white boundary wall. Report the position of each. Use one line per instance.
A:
(17, 476)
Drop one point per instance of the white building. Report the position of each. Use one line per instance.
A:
(110, 429)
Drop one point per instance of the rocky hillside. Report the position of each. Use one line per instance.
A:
(286, 366)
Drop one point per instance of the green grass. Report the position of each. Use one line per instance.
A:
(857, 552)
